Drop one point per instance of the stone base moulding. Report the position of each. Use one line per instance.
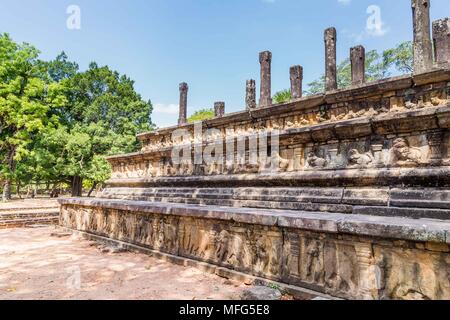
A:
(345, 256)
(294, 291)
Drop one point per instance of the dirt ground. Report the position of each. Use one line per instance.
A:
(34, 264)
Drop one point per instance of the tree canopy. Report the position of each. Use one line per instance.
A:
(57, 123)
(26, 101)
(201, 115)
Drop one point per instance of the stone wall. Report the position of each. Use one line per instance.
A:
(342, 264)
(400, 122)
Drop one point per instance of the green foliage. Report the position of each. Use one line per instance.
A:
(274, 286)
(401, 57)
(58, 124)
(282, 96)
(102, 117)
(201, 115)
(100, 95)
(26, 102)
(60, 68)
(61, 153)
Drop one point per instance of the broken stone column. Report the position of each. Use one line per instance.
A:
(441, 39)
(423, 56)
(250, 95)
(183, 103)
(265, 59)
(296, 73)
(358, 62)
(330, 59)
(219, 109)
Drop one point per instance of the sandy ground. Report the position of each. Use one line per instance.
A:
(36, 265)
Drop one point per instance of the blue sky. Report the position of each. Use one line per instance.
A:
(211, 44)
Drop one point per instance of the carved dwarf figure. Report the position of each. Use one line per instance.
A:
(140, 172)
(290, 123)
(356, 159)
(404, 154)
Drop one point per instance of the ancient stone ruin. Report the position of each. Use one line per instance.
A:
(345, 193)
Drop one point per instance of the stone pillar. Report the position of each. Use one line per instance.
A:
(183, 103)
(296, 73)
(299, 159)
(377, 150)
(358, 61)
(423, 57)
(333, 152)
(250, 96)
(441, 39)
(265, 59)
(330, 59)
(219, 109)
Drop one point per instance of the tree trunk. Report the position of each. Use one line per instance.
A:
(12, 167)
(92, 189)
(77, 187)
(18, 190)
(6, 190)
(35, 189)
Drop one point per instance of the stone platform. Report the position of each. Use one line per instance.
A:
(344, 255)
(346, 193)
(19, 214)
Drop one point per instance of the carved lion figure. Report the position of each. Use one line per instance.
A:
(356, 159)
(404, 154)
(314, 161)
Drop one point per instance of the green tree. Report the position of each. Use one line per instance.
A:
(201, 115)
(26, 101)
(62, 154)
(401, 57)
(103, 115)
(60, 68)
(282, 96)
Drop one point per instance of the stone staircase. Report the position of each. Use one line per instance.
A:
(350, 197)
(428, 203)
(25, 217)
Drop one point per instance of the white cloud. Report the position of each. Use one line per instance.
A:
(345, 2)
(165, 108)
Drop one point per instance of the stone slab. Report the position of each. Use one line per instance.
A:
(385, 227)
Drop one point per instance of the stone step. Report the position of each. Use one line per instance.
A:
(425, 203)
(422, 230)
(29, 214)
(21, 223)
(314, 195)
(13, 209)
(287, 205)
